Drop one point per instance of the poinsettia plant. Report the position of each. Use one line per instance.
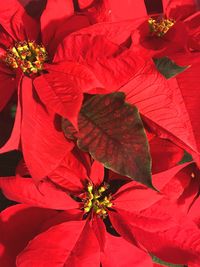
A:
(102, 164)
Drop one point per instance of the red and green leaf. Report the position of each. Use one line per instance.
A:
(112, 132)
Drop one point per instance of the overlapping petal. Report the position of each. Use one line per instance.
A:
(18, 225)
(68, 251)
(39, 133)
(164, 232)
(54, 15)
(119, 252)
(17, 22)
(45, 194)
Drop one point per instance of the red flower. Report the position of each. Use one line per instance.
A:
(138, 214)
(177, 30)
(40, 95)
(19, 36)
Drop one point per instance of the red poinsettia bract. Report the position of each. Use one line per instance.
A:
(108, 218)
(176, 30)
(164, 104)
(27, 49)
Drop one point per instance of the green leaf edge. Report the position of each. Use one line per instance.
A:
(167, 75)
(157, 260)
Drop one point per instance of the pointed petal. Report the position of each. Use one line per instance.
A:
(174, 181)
(70, 25)
(190, 79)
(165, 232)
(68, 250)
(192, 23)
(77, 44)
(71, 173)
(46, 195)
(180, 9)
(161, 105)
(122, 227)
(43, 142)
(97, 173)
(60, 94)
(62, 88)
(118, 252)
(17, 22)
(18, 225)
(112, 66)
(100, 231)
(135, 197)
(115, 34)
(165, 154)
(54, 15)
(78, 74)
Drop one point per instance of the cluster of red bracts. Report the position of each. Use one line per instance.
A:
(108, 132)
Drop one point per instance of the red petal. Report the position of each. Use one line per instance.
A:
(62, 89)
(180, 9)
(100, 231)
(18, 225)
(53, 17)
(162, 105)
(173, 181)
(121, 225)
(191, 98)
(61, 94)
(194, 212)
(118, 252)
(61, 217)
(193, 28)
(110, 65)
(116, 33)
(165, 232)
(79, 75)
(71, 173)
(46, 195)
(17, 22)
(69, 26)
(43, 142)
(62, 245)
(135, 197)
(124, 9)
(75, 48)
(97, 173)
(165, 154)
(188, 199)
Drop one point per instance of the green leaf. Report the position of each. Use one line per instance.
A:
(167, 67)
(186, 158)
(164, 263)
(112, 132)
